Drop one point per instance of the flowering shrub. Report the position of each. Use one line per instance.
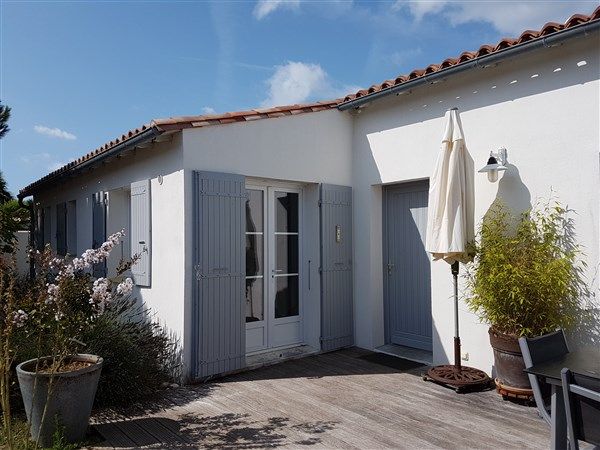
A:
(51, 312)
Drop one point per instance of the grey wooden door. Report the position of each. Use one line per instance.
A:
(337, 318)
(406, 266)
(218, 300)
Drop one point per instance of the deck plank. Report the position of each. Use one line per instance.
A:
(333, 400)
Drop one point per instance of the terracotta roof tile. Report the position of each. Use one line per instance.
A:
(526, 36)
(173, 124)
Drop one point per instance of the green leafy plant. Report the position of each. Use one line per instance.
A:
(13, 218)
(527, 277)
(139, 355)
(50, 312)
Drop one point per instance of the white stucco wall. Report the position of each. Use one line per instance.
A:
(20, 255)
(311, 148)
(166, 293)
(307, 148)
(546, 118)
(543, 107)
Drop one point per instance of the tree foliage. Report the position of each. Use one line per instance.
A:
(5, 194)
(527, 278)
(13, 218)
(4, 116)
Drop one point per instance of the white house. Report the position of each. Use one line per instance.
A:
(299, 229)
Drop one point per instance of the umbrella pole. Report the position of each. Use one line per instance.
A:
(454, 269)
(458, 377)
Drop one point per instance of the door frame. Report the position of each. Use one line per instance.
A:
(385, 253)
(268, 187)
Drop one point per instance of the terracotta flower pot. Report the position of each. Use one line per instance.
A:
(509, 363)
(70, 401)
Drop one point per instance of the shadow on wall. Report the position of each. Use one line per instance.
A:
(473, 90)
(512, 192)
(516, 197)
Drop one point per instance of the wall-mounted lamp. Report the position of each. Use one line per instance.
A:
(496, 163)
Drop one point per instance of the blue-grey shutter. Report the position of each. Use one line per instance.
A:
(47, 231)
(141, 230)
(39, 235)
(337, 318)
(218, 319)
(61, 229)
(72, 228)
(99, 229)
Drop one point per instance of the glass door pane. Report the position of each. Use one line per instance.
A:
(255, 256)
(286, 244)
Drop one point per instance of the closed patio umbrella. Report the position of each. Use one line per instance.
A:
(450, 229)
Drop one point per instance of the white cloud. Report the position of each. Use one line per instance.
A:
(420, 8)
(265, 7)
(507, 17)
(405, 56)
(297, 82)
(208, 110)
(35, 157)
(54, 132)
(56, 165)
(43, 158)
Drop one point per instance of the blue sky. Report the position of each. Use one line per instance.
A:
(78, 74)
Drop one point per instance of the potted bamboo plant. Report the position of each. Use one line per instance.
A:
(526, 280)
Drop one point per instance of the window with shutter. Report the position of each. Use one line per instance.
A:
(99, 228)
(39, 228)
(47, 225)
(72, 227)
(61, 229)
(141, 230)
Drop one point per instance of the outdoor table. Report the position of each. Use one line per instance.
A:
(585, 361)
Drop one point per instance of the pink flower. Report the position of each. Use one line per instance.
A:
(125, 287)
(19, 318)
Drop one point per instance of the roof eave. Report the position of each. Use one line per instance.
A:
(145, 136)
(479, 62)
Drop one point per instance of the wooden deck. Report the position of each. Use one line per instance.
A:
(334, 400)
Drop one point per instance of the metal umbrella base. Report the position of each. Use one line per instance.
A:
(462, 379)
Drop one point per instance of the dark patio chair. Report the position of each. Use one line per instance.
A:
(537, 350)
(582, 407)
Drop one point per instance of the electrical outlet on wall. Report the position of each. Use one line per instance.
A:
(464, 356)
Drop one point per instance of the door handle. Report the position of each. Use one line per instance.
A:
(275, 271)
(390, 267)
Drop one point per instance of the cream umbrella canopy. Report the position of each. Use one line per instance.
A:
(450, 230)
(450, 221)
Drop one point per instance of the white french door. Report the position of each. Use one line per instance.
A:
(273, 244)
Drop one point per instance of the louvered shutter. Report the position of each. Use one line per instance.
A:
(337, 319)
(99, 229)
(218, 319)
(61, 229)
(39, 232)
(47, 228)
(141, 230)
(72, 227)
